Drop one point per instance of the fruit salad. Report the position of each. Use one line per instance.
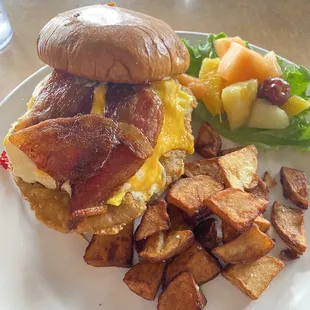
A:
(248, 97)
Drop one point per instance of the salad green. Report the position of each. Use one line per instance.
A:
(296, 135)
(201, 51)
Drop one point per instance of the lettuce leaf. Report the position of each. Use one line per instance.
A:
(200, 52)
(296, 135)
(299, 78)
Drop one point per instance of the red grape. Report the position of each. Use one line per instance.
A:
(275, 90)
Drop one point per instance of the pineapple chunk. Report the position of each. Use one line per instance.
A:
(238, 100)
(272, 64)
(294, 105)
(267, 116)
(214, 85)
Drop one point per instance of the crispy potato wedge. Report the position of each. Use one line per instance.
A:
(230, 150)
(248, 247)
(295, 187)
(269, 180)
(182, 293)
(259, 190)
(240, 167)
(197, 261)
(253, 278)
(154, 219)
(262, 223)
(189, 194)
(206, 234)
(230, 233)
(208, 167)
(235, 207)
(145, 278)
(177, 219)
(164, 245)
(208, 143)
(289, 225)
(111, 250)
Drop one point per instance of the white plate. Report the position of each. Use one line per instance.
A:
(43, 269)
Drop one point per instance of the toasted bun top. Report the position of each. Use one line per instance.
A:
(108, 43)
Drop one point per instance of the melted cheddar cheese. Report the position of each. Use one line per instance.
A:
(150, 178)
(99, 99)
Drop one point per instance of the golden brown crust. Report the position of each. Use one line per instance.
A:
(111, 250)
(112, 44)
(51, 207)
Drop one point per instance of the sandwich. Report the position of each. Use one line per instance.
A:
(108, 129)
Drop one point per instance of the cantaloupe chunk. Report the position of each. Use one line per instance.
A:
(295, 105)
(242, 64)
(222, 45)
(214, 85)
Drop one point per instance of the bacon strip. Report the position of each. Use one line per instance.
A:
(63, 95)
(138, 105)
(95, 153)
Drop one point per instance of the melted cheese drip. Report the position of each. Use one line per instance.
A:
(99, 99)
(151, 177)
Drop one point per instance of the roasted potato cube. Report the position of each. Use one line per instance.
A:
(231, 150)
(237, 208)
(289, 225)
(248, 247)
(262, 223)
(145, 278)
(164, 245)
(295, 186)
(189, 194)
(208, 143)
(209, 167)
(182, 293)
(230, 233)
(111, 250)
(259, 190)
(206, 234)
(177, 221)
(240, 167)
(253, 278)
(269, 180)
(154, 219)
(197, 261)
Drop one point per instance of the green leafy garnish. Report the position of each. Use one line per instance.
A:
(299, 78)
(280, 61)
(201, 51)
(296, 135)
